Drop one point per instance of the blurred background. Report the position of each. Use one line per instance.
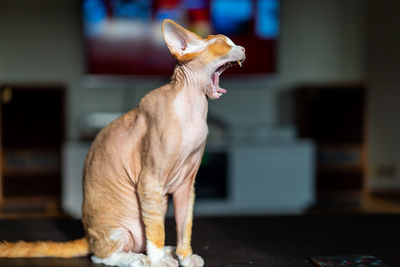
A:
(309, 124)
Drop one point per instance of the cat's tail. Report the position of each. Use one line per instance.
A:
(38, 249)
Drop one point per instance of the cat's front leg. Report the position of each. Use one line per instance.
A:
(183, 206)
(151, 204)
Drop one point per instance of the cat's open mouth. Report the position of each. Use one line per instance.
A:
(216, 90)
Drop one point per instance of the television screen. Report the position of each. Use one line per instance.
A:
(123, 37)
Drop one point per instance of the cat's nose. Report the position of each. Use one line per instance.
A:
(242, 48)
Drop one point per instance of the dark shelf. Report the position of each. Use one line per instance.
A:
(32, 134)
(334, 117)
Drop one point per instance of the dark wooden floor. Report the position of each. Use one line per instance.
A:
(243, 241)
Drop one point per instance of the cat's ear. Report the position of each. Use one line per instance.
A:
(180, 41)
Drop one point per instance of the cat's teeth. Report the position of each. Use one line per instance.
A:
(239, 62)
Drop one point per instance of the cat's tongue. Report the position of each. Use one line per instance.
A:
(216, 90)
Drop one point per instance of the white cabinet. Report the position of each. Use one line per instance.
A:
(267, 178)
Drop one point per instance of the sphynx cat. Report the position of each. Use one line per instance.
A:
(139, 159)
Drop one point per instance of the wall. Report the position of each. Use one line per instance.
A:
(40, 41)
(321, 41)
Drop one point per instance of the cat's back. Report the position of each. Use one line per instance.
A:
(116, 147)
(119, 131)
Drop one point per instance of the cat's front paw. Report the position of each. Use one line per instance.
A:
(166, 261)
(192, 261)
(138, 260)
(170, 251)
(128, 259)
